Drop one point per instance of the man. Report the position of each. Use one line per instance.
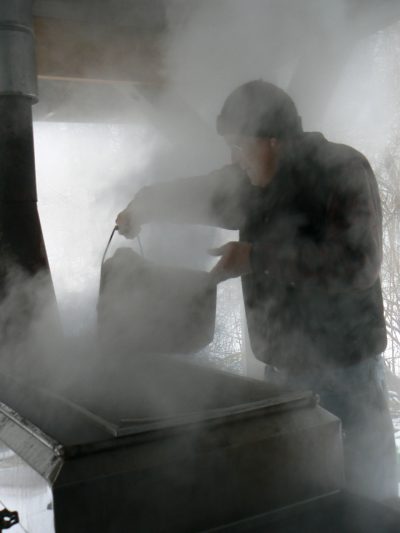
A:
(309, 253)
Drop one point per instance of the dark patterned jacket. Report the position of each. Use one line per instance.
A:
(314, 297)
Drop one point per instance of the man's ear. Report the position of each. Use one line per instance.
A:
(273, 142)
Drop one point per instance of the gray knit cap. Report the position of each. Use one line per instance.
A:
(259, 109)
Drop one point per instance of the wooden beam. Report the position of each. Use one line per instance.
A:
(74, 50)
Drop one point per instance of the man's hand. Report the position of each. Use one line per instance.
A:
(128, 223)
(234, 262)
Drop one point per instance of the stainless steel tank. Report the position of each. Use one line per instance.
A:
(159, 444)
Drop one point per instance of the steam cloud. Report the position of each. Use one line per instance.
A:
(87, 172)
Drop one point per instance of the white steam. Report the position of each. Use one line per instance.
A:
(87, 173)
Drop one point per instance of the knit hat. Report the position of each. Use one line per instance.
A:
(259, 109)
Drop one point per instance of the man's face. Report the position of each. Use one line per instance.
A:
(257, 157)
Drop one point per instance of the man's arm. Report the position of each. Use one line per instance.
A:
(347, 256)
(214, 199)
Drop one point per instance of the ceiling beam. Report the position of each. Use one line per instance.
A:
(69, 49)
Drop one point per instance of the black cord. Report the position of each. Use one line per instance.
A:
(140, 246)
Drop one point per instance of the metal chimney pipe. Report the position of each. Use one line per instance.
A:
(21, 240)
(17, 51)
